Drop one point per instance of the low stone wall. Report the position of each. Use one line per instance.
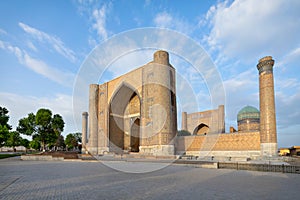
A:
(232, 145)
(41, 157)
(225, 155)
(157, 150)
(195, 163)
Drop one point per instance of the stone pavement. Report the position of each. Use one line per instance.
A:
(93, 180)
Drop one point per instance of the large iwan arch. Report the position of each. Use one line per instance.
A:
(124, 125)
(201, 129)
(135, 112)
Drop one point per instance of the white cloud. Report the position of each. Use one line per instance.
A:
(147, 3)
(241, 90)
(11, 49)
(287, 107)
(130, 61)
(58, 104)
(287, 83)
(99, 18)
(163, 20)
(292, 57)
(253, 28)
(55, 42)
(97, 14)
(166, 20)
(3, 32)
(38, 66)
(243, 30)
(31, 46)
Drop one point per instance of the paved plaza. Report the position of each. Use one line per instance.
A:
(93, 180)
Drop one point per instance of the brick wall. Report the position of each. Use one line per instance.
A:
(220, 142)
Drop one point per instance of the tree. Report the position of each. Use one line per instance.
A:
(71, 141)
(25, 143)
(183, 133)
(60, 142)
(4, 117)
(45, 133)
(78, 137)
(3, 135)
(27, 125)
(45, 128)
(35, 144)
(58, 124)
(13, 140)
(4, 126)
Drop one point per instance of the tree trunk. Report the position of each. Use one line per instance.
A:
(43, 146)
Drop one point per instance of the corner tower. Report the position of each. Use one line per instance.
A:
(84, 130)
(159, 114)
(268, 134)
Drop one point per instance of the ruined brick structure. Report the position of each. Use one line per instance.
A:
(202, 123)
(136, 112)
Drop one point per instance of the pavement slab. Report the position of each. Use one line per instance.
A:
(94, 180)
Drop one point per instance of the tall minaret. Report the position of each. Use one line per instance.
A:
(93, 120)
(184, 121)
(268, 135)
(84, 131)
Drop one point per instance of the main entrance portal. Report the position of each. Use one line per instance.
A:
(135, 112)
(124, 120)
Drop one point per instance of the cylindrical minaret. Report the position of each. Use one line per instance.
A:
(221, 117)
(161, 57)
(268, 135)
(184, 121)
(159, 114)
(93, 120)
(84, 130)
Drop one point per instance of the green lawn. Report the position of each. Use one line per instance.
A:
(2, 156)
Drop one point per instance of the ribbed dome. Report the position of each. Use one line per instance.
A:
(248, 112)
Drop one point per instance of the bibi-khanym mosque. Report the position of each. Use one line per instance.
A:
(136, 113)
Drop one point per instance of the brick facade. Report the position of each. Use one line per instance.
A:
(137, 112)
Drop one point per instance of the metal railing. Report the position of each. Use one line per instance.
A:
(260, 167)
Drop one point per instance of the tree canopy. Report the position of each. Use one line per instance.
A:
(34, 144)
(44, 127)
(14, 139)
(60, 143)
(25, 143)
(183, 133)
(4, 126)
(78, 137)
(72, 140)
(4, 117)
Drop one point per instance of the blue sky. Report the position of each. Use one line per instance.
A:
(44, 43)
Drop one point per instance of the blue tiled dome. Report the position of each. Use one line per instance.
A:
(248, 112)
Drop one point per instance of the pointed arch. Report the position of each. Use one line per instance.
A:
(201, 129)
(124, 85)
(135, 135)
(124, 104)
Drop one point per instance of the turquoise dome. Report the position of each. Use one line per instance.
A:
(248, 112)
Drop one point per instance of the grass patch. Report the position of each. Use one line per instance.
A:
(2, 156)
